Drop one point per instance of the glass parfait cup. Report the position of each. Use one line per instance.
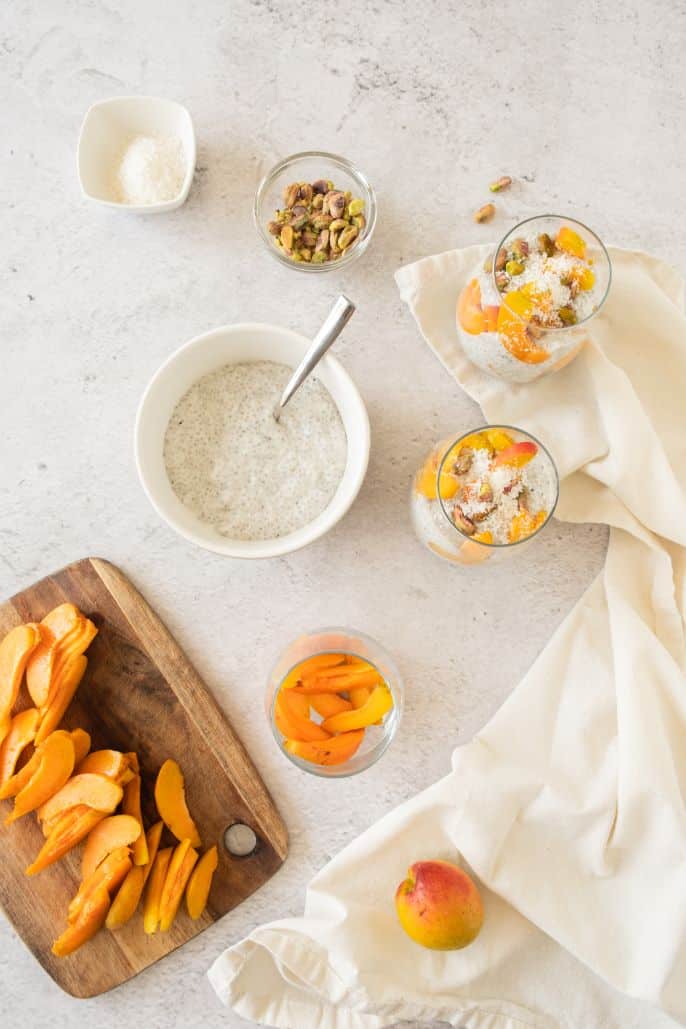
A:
(354, 644)
(436, 494)
(498, 326)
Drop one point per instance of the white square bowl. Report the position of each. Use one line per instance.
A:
(107, 128)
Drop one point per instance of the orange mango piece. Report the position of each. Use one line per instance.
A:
(341, 684)
(499, 439)
(334, 751)
(470, 314)
(111, 872)
(290, 722)
(170, 798)
(351, 665)
(22, 732)
(67, 650)
(516, 455)
(327, 704)
(179, 872)
(15, 650)
(55, 765)
(309, 666)
(124, 905)
(95, 791)
(426, 479)
(198, 889)
(525, 524)
(359, 696)
(72, 827)
(111, 834)
(379, 703)
(131, 805)
(91, 919)
(82, 744)
(68, 681)
(110, 763)
(60, 624)
(153, 837)
(153, 893)
(570, 241)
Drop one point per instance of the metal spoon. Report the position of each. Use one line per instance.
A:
(338, 317)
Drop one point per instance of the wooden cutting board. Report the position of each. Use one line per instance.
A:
(139, 693)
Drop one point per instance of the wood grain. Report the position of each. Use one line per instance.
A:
(140, 693)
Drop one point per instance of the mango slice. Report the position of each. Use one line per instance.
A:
(55, 765)
(67, 650)
(68, 682)
(515, 311)
(153, 893)
(334, 751)
(60, 624)
(525, 524)
(571, 242)
(379, 703)
(170, 798)
(178, 873)
(290, 722)
(359, 696)
(124, 905)
(91, 919)
(111, 872)
(95, 791)
(72, 827)
(198, 889)
(426, 480)
(131, 805)
(82, 744)
(110, 763)
(15, 650)
(327, 704)
(153, 837)
(111, 834)
(22, 732)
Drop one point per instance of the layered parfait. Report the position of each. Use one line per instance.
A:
(481, 495)
(525, 310)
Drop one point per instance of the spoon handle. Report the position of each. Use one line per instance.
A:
(338, 317)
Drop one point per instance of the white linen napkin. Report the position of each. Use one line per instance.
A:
(569, 805)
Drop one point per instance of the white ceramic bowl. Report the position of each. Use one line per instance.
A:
(107, 128)
(249, 341)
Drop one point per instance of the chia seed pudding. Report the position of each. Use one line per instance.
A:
(239, 470)
(474, 498)
(524, 312)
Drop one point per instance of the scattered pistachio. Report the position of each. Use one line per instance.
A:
(463, 461)
(484, 214)
(501, 280)
(488, 264)
(504, 182)
(318, 222)
(501, 260)
(567, 316)
(546, 244)
(486, 492)
(466, 525)
(520, 248)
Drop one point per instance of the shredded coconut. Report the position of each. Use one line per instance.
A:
(151, 170)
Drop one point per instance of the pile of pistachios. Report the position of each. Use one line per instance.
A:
(318, 223)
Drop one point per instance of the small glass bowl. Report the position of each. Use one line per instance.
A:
(431, 518)
(309, 166)
(377, 738)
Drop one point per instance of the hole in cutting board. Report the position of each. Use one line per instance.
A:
(240, 840)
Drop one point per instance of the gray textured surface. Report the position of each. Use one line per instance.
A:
(433, 100)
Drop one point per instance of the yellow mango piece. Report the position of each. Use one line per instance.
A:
(153, 837)
(153, 893)
(15, 650)
(89, 922)
(22, 732)
(499, 439)
(82, 744)
(379, 703)
(72, 827)
(111, 834)
(70, 676)
(198, 889)
(124, 905)
(334, 751)
(571, 242)
(525, 524)
(54, 766)
(111, 872)
(170, 798)
(179, 872)
(131, 805)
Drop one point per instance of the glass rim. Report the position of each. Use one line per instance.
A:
(541, 217)
(529, 435)
(396, 686)
(345, 165)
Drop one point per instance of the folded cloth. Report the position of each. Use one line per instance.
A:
(569, 805)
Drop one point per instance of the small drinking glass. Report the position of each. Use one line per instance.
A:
(377, 738)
